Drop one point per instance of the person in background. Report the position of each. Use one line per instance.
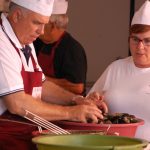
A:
(23, 87)
(126, 82)
(61, 57)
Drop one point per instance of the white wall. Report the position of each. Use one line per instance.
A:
(102, 28)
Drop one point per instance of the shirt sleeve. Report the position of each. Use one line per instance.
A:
(10, 69)
(74, 64)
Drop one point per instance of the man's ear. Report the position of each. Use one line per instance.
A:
(16, 16)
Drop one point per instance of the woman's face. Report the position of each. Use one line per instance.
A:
(140, 49)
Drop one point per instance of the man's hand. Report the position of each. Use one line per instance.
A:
(84, 113)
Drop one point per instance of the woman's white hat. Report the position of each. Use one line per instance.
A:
(60, 7)
(43, 7)
(142, 16)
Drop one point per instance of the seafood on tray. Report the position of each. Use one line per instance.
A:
(118, 118)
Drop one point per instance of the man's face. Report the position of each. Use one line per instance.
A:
(47, 37)
(29, 26)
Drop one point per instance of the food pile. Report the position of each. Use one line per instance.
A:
(118, 118)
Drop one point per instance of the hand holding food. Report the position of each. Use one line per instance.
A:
(98, 99)
(84, 113)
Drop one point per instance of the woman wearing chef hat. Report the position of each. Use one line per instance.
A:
(126, 82)
(21, 86)
(61, 57)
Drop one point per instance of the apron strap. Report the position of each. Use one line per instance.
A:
(32, 58)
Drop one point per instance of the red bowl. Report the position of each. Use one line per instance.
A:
(128, 130)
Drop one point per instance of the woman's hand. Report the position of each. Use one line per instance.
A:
(92, 98)
(98, 100)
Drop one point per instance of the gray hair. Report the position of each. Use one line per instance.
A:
(61, 21)
(14, 6)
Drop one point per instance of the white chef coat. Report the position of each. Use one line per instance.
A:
(127, 90)
(10, 63)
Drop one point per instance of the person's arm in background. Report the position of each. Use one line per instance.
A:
(54, 94)
(71, 66)
(76, 88)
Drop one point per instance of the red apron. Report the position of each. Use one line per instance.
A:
(47, 61)
(17, 135)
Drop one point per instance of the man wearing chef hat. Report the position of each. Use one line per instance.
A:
(61, 57)
(127, 81)
(21, 86)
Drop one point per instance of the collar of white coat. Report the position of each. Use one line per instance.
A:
(9, 31)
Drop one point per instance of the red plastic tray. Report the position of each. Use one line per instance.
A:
(128, 130)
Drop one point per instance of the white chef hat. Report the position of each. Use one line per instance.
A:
(142, 16)
(43, 7)
(60, 7)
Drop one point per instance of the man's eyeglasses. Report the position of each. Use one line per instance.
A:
(135, 40)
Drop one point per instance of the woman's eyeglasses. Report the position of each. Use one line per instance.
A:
(135, 40)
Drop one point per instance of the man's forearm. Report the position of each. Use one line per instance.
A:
(55, 94)
(76, 88)
(18, 102)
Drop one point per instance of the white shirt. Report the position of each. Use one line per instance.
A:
(11, 64)
(127, 90)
